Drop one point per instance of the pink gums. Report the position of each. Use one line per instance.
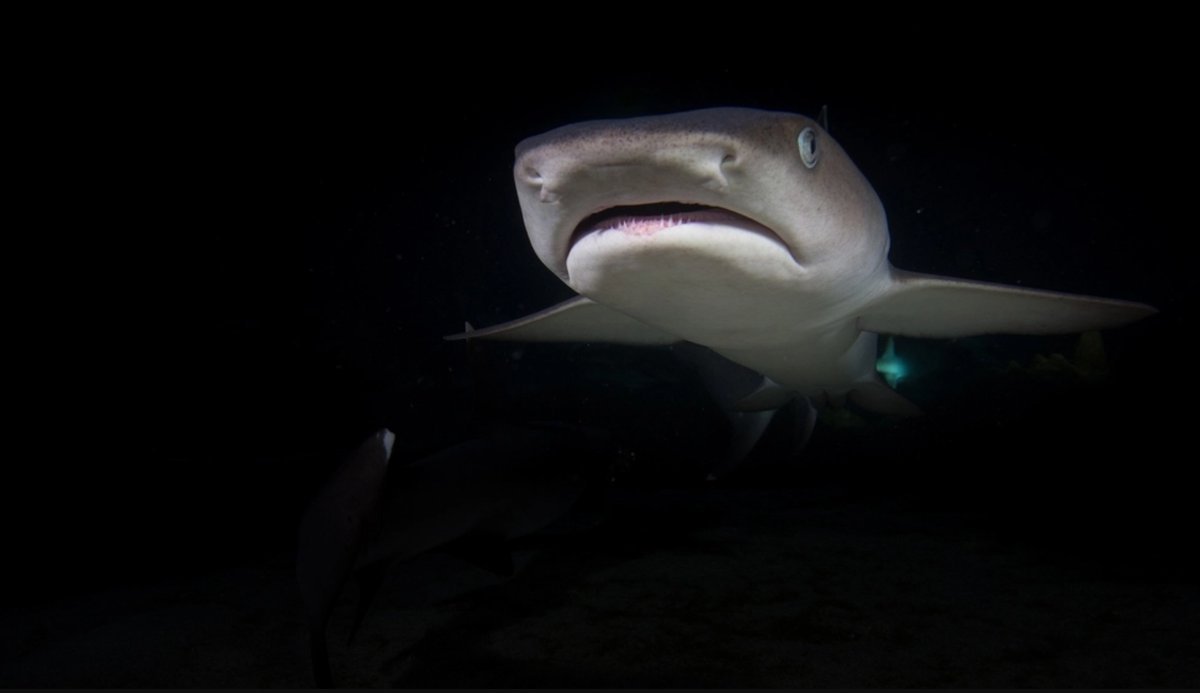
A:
(646, 226)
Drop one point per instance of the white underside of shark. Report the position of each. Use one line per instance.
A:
(753, 234)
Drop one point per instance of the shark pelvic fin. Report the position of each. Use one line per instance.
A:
(875, 396)
(769, 395)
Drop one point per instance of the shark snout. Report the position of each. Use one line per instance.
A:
(665, 172)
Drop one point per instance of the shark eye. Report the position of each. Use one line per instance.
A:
(807, 141)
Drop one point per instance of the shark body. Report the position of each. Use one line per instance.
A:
(753, 234)
(472, 498)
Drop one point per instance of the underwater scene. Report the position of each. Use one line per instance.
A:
(854, 381)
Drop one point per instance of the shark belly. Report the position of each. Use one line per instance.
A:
(824, 365)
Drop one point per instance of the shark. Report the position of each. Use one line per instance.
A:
(752, 234)
(471, 499)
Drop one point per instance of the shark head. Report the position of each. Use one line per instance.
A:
(750, 233)
(730, 218)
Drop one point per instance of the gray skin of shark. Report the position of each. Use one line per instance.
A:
(330, 538)
(779, 262)
(508, 484)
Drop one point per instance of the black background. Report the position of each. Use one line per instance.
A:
(255, 245)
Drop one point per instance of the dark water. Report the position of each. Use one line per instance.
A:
(315, 236)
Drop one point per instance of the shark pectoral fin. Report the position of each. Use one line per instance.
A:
(925, 305)
(875, 396)
(769, 395)
(576, 320)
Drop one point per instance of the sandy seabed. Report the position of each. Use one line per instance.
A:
(695, 587)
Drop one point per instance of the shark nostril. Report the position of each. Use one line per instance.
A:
(728, 165)
(533, 176)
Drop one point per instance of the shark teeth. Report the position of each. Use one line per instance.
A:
(645, 220)
(644, 226)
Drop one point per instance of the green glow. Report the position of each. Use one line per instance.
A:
(890, 366)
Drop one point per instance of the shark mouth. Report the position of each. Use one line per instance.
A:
(648, 219)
